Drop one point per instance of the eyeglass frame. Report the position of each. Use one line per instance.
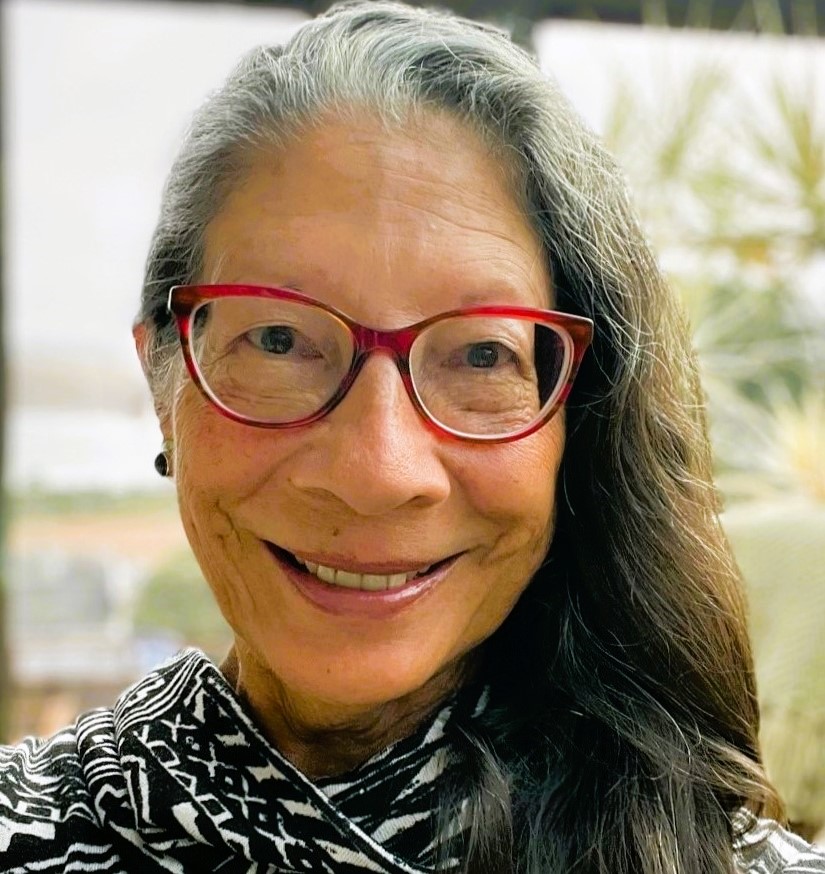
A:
(184, 299)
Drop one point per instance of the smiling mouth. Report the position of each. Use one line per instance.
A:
(352, 580)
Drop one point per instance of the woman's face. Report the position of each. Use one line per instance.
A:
(389, 228)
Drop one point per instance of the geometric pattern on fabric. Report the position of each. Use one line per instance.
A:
(177, 778)
(769, 849)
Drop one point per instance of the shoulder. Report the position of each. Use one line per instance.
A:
(65, 801)
(45, 805)
(767, 848)
(41, 768)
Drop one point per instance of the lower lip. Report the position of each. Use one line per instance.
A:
(357, 602)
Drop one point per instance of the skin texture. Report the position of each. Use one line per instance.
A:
(390, 228)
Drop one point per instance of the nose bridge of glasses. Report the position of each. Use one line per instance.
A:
(397, 342)
(394, 344)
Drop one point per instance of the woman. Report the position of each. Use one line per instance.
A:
(475, 629)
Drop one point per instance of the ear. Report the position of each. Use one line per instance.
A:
(142, 337)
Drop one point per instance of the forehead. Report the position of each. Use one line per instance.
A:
(381, 222)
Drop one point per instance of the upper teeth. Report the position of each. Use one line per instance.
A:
(370, 582)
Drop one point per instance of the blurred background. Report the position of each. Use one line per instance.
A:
(714, 108)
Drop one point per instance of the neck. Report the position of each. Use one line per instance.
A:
(324, 739)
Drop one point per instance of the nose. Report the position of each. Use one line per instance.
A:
(373, 451)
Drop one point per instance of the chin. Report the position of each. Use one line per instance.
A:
(360, 680)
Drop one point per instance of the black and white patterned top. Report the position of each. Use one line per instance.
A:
(177, 778)
(769, 849)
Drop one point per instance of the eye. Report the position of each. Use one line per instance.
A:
(275, 339)
(483, 355)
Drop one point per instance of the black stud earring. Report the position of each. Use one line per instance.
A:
(163, 465)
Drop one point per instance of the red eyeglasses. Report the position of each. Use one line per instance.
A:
(275, 358)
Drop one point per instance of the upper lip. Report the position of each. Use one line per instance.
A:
(343, 562)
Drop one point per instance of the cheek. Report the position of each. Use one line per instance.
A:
(515, 483)
(514, 487)
(216, 458)
(214, 467)
(197, 436)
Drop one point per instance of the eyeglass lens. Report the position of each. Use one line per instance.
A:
(278, 362)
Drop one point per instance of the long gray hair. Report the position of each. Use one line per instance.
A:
(622, 731)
